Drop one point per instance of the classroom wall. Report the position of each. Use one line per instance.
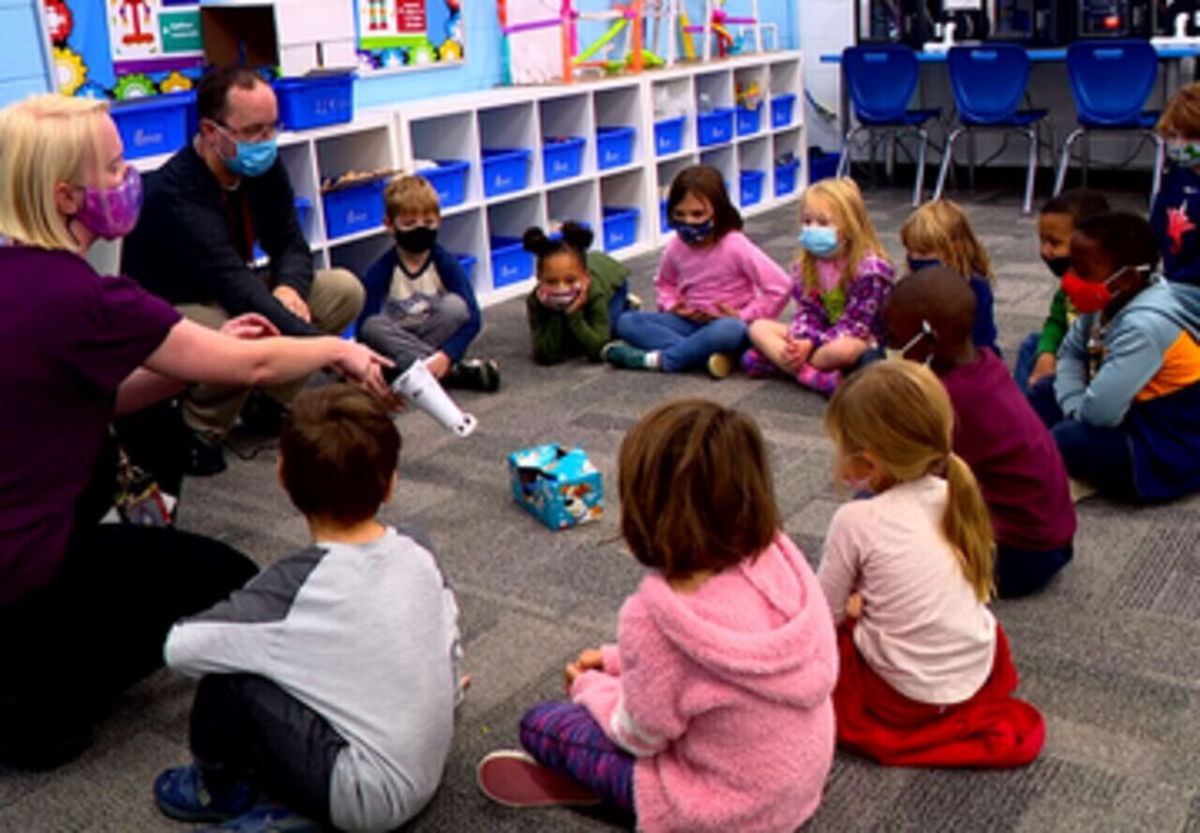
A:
(22, 61)
(22, 69)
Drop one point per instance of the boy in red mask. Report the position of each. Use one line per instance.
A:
(1124, 407)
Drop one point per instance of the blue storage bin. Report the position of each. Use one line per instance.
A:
(467, 262)
(449, 179)
(663, 219)
(154, 125)
(510, 262)
(715, 127)
(353, 209)
(782, 108)
(668, 136)
(620, 227)
(751, 187)
(505, 170)
(614, 146)
(785, 178)
(822, 165)
(314, 102)
(563, 159)
(748, 121)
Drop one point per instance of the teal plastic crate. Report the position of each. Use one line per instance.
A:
(449, 179)
(614, 146)
(154, 125)
(668, 136)
(716, 127)
(467, 262)
(749, 121)
(353, 209)
(315, 102)
(785, 178)
(782, 109)
(751, 191)
(563, 158)
(505, 170)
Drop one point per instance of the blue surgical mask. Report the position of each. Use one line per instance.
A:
(820, 241)
(916, 264)
(253, 158)
(692, 233)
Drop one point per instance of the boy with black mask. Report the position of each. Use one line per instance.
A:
(420, 303)
(1057, 220)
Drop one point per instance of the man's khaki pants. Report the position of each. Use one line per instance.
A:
(335, 300)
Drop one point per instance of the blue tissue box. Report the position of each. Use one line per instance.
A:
(557, 485)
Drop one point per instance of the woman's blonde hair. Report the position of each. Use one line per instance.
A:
(899, 413)
(46, 140)
(854, 226)
(941, 228)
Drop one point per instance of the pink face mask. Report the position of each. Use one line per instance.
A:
(112, 212)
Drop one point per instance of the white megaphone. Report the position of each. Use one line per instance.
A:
(419, 386)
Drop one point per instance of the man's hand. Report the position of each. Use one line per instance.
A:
(438, 364)
(291, 299)
(249, 327)
(363, 366)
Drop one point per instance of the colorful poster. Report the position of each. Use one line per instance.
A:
(125, 49)
(399, 33)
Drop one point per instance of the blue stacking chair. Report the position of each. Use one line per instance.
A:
(1110, 81)
(881, 80)
(988, 83)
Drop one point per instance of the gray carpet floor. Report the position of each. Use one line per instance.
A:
(1110, 652)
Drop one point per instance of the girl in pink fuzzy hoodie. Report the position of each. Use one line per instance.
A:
(712, 712)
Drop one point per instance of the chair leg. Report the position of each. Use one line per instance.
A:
(1160, 150)
(1031, 173)
(1065, 160)
(890, 159)
(919, 183)
(971, 159)
(844, 162)
(947, 156)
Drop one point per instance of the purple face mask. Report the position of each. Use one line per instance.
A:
(112, 212)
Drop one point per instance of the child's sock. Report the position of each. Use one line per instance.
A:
(756, 365)
(823, 382)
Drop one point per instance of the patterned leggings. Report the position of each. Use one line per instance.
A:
(565, 737)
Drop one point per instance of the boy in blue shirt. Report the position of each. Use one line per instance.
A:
(420, 304)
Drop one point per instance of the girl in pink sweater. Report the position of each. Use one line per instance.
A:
(712, 712)
(712, 283)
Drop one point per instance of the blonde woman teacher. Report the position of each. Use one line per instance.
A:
(85, 607)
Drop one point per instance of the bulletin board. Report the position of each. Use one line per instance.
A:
(124, 49)
(406, 34)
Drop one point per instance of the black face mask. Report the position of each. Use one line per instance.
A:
(1057, 265)
(417, 240)
(916, 264)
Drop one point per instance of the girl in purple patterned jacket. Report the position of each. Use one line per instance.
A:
(842, 278)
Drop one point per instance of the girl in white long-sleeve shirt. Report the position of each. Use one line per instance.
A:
(926, 675)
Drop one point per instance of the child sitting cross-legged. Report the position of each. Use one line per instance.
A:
(1124, 406)
(842, 277)
(711, 713)
(420, 303)
(929, 318)
(328, 683)
(925, 675)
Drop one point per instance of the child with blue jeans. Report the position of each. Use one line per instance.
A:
(1124, 406)
(712, 284)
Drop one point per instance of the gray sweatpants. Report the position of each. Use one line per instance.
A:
(404, 340)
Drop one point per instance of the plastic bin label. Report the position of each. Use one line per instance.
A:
(149, 138)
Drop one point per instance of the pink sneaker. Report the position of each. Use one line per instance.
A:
(757, 366)
(514, 779)
(823, 382)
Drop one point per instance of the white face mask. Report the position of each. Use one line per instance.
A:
(926, 331)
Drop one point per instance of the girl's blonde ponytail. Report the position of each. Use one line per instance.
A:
(968, 527)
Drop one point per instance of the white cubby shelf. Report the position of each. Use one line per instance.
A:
(623, 170)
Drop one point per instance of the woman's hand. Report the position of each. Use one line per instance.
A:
(250, 326)
(363, 366)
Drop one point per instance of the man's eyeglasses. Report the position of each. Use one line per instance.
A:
(252, 132)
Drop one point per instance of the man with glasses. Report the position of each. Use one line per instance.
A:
(205, 210)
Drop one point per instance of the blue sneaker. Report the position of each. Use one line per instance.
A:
(267, 818)
(180, 793)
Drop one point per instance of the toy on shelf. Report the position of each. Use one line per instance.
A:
(748, 96)
(716, 29)
(539, 49)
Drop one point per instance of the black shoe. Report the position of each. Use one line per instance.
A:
(474, 374)
(263, 415)
(203, 458)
